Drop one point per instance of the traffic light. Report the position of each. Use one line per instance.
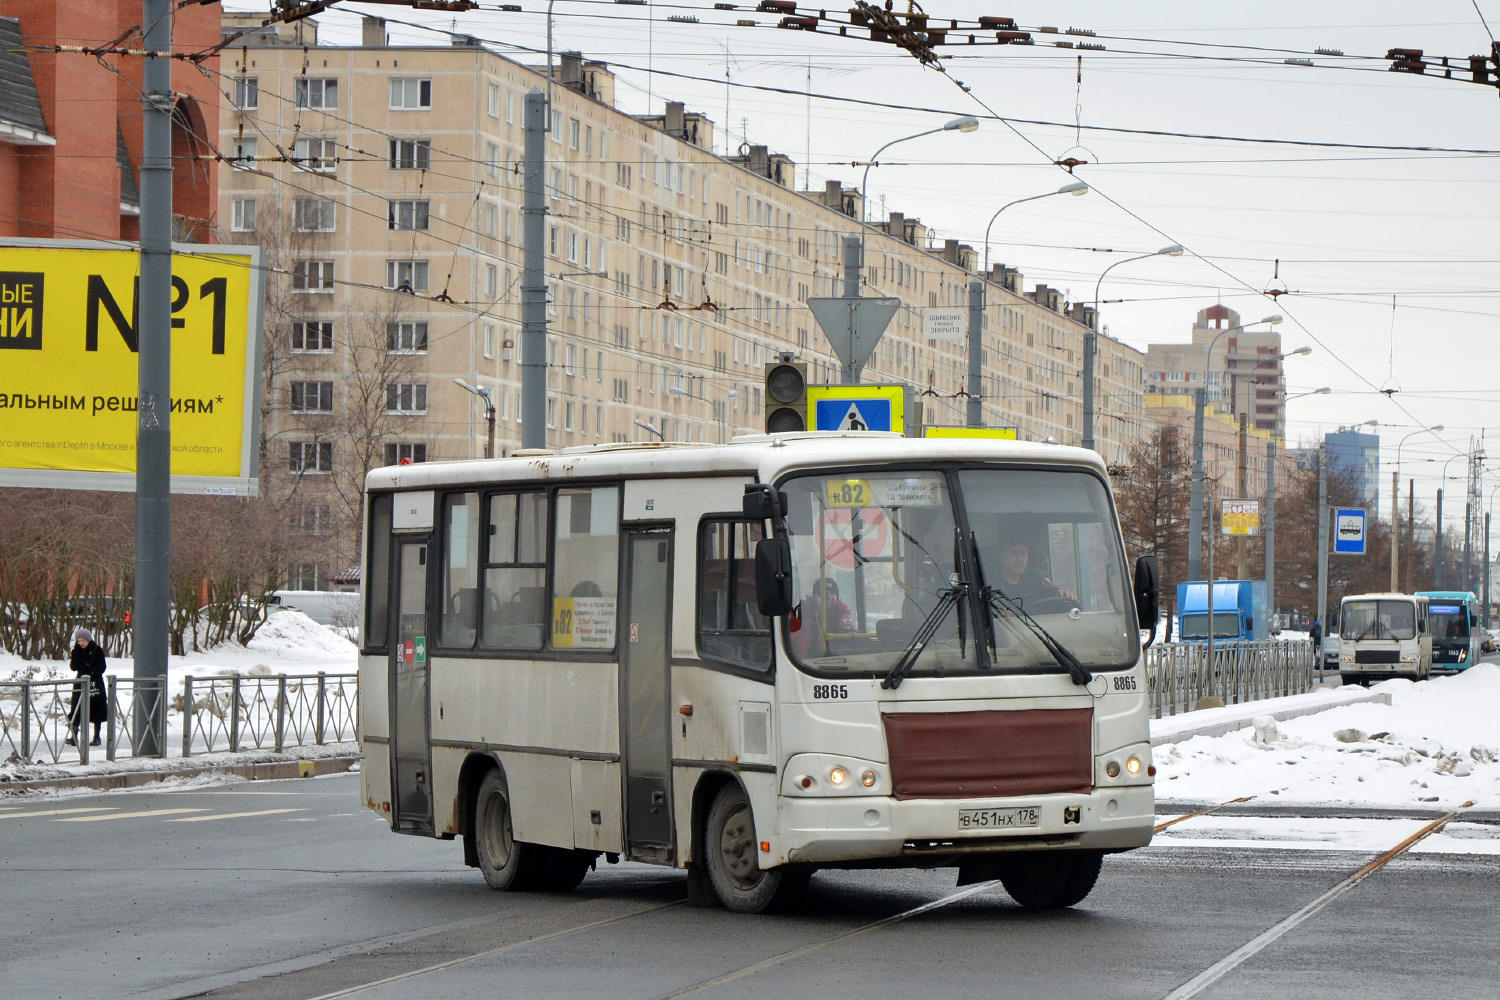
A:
(786, 396)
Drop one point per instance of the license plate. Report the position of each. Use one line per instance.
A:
(999, 819)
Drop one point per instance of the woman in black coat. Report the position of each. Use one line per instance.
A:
(87, 660)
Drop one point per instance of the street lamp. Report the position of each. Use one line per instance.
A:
(1396, 501)
(1270, 529)
(643, 425)
(483, 393)
(1090, 341)
(1195, 522)
(1437, 557)
(1076, 188)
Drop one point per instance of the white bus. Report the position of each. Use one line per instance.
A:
(756, 660)
(1383, 636)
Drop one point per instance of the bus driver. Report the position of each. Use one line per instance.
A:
(1020, 580)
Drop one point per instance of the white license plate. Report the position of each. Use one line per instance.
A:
(999, 819)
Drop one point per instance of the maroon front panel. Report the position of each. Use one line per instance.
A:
(960, 755)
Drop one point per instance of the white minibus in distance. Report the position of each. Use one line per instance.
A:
(760, 659)
(1382, 636)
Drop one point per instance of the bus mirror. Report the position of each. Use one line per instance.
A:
(1147, 593)
(773, 576)
(763, 503)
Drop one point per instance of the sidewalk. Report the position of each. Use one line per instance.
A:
(1219, 721)
(135, 772)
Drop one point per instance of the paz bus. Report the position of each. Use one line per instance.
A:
(755, 660)
(1383, 636)
(1456, 636)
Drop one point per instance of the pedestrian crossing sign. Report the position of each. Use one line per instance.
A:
(857, 407)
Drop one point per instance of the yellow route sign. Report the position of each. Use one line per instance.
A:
(69, 386)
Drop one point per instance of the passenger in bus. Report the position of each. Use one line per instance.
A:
(820, 613)
(586, 588)
(1020, 580)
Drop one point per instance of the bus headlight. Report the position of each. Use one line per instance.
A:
(868, 779)
(1408, 659)
(1112, 769)
(837, 775)
(1133, 765)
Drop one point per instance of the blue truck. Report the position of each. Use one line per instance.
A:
(1240, 611)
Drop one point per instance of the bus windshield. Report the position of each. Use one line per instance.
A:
(1195, 626)
(1379, 620)
(1449, 621)
(878, 555)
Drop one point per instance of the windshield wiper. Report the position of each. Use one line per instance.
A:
(947, 600)
(996, 599)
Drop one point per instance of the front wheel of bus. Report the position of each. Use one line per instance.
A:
(732, 857)
(1050, 880)
(506, 864)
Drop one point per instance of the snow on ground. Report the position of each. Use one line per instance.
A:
(1436, 746)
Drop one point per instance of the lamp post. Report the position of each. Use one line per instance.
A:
(968, 123)
(1437, 556)
(483, 393)
(1091, 339)
(650, 428)
(1195, 524)
(1270, 531)
(1396, 501)
(1242, 479)
(975, 408)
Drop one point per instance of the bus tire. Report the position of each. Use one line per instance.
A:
(1050, 880)
(506, 863)
(732, 857)
(564, 869)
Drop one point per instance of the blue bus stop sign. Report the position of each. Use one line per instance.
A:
(1349, 531)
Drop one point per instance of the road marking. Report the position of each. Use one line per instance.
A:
(25, 813)
(142, 814)
(1228, 963)
(1201, 812)
(239, 815)
(454, 963)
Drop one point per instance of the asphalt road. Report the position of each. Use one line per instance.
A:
(290, 890)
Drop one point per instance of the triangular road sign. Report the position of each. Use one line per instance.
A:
(853, 326)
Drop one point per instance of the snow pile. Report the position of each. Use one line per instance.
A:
(1436, 745)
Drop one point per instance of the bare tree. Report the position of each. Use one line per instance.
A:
(1152, 493)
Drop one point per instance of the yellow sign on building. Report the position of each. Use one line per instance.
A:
(69, 386)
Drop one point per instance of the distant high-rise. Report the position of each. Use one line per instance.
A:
(1356, 454)
(1239, 379)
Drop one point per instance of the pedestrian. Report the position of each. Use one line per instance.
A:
(87, 660)
(1316, 635)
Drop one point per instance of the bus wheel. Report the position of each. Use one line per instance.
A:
(731, 854)
(506, 863)
(564, 868)
(1050, 880)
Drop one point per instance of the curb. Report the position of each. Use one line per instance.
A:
(1266, 809)
(1223, 726)
(258, 771)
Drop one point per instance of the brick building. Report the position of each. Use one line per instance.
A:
(70, 124)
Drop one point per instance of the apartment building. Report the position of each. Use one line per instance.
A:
(1240, 377)
(386, 184)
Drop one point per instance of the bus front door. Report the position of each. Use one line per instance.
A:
(408, 687)
(645, 672)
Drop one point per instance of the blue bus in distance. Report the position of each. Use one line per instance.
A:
(1456, 635)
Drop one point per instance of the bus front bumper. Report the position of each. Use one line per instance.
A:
(867, 828)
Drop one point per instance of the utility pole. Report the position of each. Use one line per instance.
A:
(1195, 494)
(1270, 527)
(1395, 531)
(854, 251)
(535, 113)
(1411, 539)
(1242, 489)
(1323, 537)
(1437, 559)
(1090, 346)
(1485, 599)
(975, 407)
(153, 470)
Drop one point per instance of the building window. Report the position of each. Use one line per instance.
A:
(494, 101)
(551, 413)
(490, 278)
(312, 397)
(411, 154)
(308, 93)
(572, 248)
(307, 576)
(319, 156)
(406, 397)
(489, 340)
(312, 337)
(574, 131)
(312, 519)
(247, 93)
(244, 153)
(242, 215)
(313, 215)
(312, 276)
(406, 215)
(411, 95)
(406, 275)
(406, 338)
(405, 452)
(492, 159)
(311, 456)
(570, 364)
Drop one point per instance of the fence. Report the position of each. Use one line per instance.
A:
(1179, 674)
(236, 712)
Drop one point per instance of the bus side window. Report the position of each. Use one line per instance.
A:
(460, 611)
(513, 614)
(731, 628)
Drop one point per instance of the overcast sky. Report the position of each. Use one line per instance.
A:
(1392, 255)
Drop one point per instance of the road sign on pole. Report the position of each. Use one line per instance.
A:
(853, 327)
(1239, 517)
(1349, 531)
(857, 408)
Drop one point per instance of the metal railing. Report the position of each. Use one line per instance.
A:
(1179, 674)
(234, 712)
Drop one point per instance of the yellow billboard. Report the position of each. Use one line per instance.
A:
(69, 376)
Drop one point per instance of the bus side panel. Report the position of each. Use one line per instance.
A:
(375, 779)
(447, 763)
(566, 707)
(374, 722)
(596, 791)
(374, 697)
(541, 785)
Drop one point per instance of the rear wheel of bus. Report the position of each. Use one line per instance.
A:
(732, 856)
(511, 864)
(1050, 880)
